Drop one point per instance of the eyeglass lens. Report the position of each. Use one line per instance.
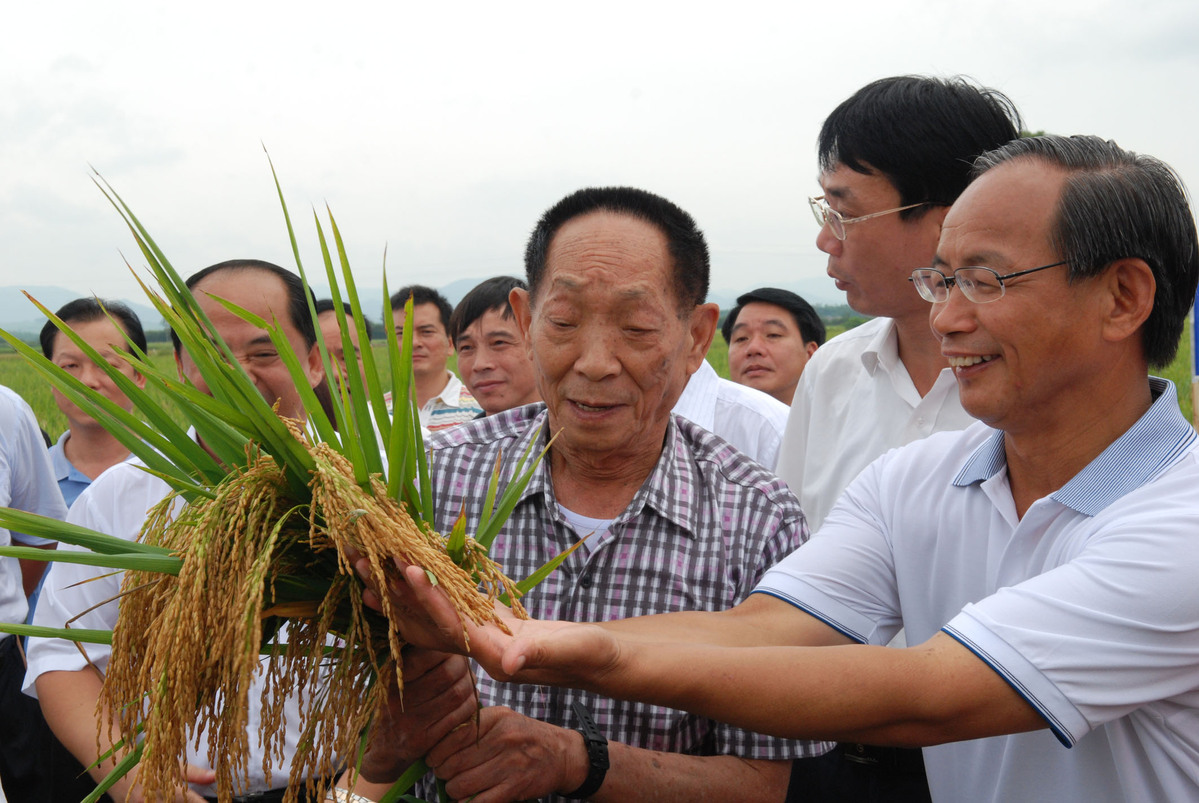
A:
(979, 285)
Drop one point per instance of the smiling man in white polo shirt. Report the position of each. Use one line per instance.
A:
(1043, 560)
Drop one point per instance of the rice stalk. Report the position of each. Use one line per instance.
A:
(250, 554)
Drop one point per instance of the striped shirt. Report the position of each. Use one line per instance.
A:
(698, 535)
(454, 405)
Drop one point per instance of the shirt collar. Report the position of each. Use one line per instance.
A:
(697, 401)
(452, 390)
(1154, 443)
(670, 489)
(64, 469)
(883, 349)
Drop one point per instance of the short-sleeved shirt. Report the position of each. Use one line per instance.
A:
(856, 400)
(116, 504)
(1088, 605)
(26, 483)
(746, 417)
(699, 533)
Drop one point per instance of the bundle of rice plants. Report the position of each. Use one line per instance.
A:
(251, 553)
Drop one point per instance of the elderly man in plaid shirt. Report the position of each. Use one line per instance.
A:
(675, 519)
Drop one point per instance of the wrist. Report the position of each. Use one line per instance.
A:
(596, 747)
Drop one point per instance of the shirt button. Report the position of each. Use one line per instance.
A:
(585, 581)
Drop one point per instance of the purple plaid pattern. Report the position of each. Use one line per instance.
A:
(698, 535)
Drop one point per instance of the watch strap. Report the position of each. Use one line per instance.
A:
(597, 754)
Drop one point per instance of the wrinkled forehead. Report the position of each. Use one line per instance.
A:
(614, 243)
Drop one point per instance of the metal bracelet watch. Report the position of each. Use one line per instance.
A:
(597, 754)
(345, 796)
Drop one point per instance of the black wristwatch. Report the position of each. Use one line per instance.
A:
(597, 754)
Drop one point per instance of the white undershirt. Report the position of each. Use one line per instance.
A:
(586, 526)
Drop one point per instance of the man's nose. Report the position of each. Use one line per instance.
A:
(827, 242)
(598, 350)
(955, 314)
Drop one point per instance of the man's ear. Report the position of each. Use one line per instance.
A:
(522, 311)
(314, 369)
(703, 329)
(811, 347)
(1130, 288)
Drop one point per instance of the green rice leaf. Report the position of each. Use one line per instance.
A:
(455, 544)
(122, 768)
(65, 633)
(162, 434)
(405, 782)
(490, 528)
(492, 489)
(530, 582)
(373, 386)
(135, 561)
(46, 527)
(155, 447)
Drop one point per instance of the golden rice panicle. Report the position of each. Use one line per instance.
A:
(199, 632)
(186, 648)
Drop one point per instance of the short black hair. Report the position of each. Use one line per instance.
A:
(324, 305)
(88, 309)
(811, 328)
(298, 294)
(921, 133)
(1116, 204)
(688, 249)
(423, 295)
(490, 294)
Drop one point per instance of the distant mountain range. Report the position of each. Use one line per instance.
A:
(19, 316)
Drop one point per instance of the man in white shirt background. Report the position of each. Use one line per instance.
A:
(771, 334)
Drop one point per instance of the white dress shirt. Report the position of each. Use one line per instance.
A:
(746, 417)
(855, 401)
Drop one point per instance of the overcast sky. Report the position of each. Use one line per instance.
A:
(441, 130)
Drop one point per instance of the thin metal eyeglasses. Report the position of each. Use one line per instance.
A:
(980, 285)
(827, 216)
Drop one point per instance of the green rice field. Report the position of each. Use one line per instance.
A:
(24, 380)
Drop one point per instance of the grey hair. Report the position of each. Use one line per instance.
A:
(1117, 204)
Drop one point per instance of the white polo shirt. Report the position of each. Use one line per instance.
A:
(855, 400)
(746, 417)
(1088, 605)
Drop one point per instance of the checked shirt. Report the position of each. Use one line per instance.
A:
(698, 535)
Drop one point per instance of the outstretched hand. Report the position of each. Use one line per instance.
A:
(558, 653)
